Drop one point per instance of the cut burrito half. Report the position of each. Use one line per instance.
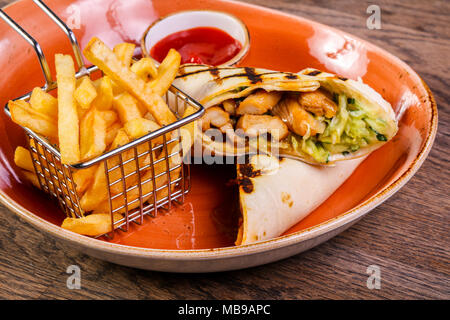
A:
(274, 195)
(316, 116)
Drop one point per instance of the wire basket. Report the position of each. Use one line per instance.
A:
(142, 176)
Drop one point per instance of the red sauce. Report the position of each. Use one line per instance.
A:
(202, 45)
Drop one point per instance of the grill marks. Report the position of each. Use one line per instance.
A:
(314, 73)
(249, 73)
(213, 71)
(246, 172)
(317, 72)
(246, 184)
(291, 76)
(252, 75)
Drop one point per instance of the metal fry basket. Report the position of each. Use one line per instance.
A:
(143, 176)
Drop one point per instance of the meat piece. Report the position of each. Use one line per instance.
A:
(255, 125)
(259, 102)
(214, 116)
(229, 106)
(298, 119)
(318, 103)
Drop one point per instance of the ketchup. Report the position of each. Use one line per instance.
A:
(202, 45)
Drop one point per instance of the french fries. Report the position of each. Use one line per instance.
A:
(83, 178)
(97, 192)
(126, 107)
(22, 158)
(167, 72)
(139, 127)
(133, 195)
(85, 93)
(145, 69)
(91, 225)
(90, 117)
(110, 117)
(92, 135)
(105, 94)
(99, 54)
(31, 177)
(124, 52)
(23, 114)
(111, 133)
(68, 124)
(44, 102)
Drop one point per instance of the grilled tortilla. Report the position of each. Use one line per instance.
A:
(317, 116)
(274, 195)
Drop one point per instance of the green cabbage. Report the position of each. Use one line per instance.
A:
(309, 146)
(352, 128)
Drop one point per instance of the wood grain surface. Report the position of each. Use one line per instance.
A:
(407, 236)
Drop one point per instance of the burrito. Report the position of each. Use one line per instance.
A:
(312, 115)
(274, 195)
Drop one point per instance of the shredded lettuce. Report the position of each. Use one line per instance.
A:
(352, 128)
(311, 147)
(336, 126)
(239, 89)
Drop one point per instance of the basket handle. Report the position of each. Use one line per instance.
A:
(49, 82)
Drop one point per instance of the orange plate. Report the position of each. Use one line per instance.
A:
(197, 237)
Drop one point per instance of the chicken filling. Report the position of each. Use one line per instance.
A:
(318, 123)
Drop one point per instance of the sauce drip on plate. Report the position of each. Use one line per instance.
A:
(202, 45)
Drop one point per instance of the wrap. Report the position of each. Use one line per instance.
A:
(316, 116)
(275, 195)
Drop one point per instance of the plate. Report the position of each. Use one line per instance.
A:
(196, 237)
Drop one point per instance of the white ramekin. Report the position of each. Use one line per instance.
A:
(185, 20)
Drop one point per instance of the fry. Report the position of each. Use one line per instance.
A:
(135, 129)
(124, 52)
(83, 178)
(98, 191)
(85, 93)
(91, 225)
(24, 115)
(133, 195)
(99, 54)
(34, 180)
(167, 72)
(110, 117)
(68, 124)
(145, 69)
(139, 127)
(44, 102)
(149, 116)
(92, 135)
(105, 94)
(31, 177)
(127, 108)
(22, 158)
(111, 133)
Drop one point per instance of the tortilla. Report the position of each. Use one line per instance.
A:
(361, 121)
(275, 195)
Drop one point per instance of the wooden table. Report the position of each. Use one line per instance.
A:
(407, 236)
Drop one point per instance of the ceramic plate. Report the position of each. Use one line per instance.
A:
(196, 237)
